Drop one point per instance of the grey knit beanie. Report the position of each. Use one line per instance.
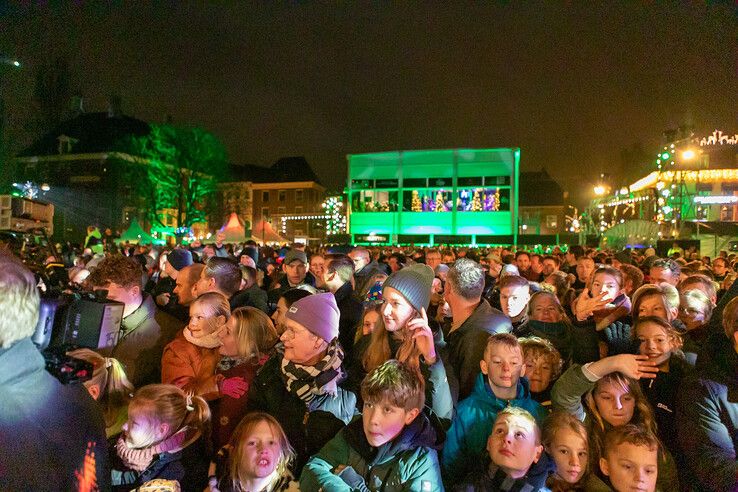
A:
(414, 282)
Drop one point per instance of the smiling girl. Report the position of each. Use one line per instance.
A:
(189, 360)
(662, 344)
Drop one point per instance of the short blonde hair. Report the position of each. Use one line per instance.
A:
(19, 301)
(521, 413)
(254, 333)
(540, 347)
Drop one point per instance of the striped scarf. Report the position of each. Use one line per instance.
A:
(306, 382)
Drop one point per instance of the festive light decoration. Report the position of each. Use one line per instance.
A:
(417, 206)
(286, 218)
(717, 138)
(335, 221)
(715, 199)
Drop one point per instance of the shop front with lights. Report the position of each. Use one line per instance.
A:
(695, 182)
(457, 196)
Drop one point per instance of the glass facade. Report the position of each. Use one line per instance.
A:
(434, 196)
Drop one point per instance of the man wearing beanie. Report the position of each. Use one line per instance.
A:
(298, 385)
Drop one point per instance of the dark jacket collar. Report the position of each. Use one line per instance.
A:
(344, 292)
(146, 310)
(484, 315)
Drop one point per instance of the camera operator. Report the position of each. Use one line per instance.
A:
(145, 331)
(52, 436)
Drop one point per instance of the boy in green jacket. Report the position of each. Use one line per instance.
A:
(393, 445)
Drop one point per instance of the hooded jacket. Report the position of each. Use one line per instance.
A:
(708, 418)
(408, 462)
(467, 438)
(465, 345)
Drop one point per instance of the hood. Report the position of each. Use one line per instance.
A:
(420, 432)
(483, 391)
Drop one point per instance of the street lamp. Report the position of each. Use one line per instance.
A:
(599, 190)
(688, 155)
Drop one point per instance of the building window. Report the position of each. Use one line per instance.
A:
(374, 201)
(552, 221)
(265, 213)
(298, 210)
(265, 196)
(298, 195)
(282, 195)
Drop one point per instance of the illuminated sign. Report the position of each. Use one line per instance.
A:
(716, 199)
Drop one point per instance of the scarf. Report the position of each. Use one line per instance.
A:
(306, 382)
(619, 308)
(140, 459)
(227, 362)
(208, 341)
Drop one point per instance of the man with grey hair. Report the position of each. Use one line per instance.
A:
(473, 320)
(52, 436)
(665, 270)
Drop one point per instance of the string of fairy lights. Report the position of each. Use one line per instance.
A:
(333, 215)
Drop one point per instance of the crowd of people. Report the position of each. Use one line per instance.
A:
(247, 368)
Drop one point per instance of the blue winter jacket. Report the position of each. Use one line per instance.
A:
(466, 440)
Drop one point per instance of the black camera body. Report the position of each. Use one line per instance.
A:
(76, 320)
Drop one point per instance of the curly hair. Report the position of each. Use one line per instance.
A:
(120, 270)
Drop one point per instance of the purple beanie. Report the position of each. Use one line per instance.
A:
(318, 313)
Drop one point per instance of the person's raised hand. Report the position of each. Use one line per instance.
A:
(635, 366)
(587, 305)
(423, 336)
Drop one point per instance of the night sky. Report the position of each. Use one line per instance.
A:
(572, 86)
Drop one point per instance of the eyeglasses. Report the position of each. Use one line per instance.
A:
(291, 333)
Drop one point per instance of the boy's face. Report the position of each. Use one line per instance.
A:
(539, 371)
(384, 421)
(512, 445)
(654, 342)
(503, 366)
(514, 300)
(631, 467)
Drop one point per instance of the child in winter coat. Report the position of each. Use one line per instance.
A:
(631, 459)
(189, 360)
(256, 460)
(391, 447)
(567, 443)
(501, 384)
(165, 437)
(542, 367)
(661, 343)
(513, 447)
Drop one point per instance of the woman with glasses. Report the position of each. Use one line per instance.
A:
(298, 385)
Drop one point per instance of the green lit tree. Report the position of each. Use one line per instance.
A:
(176, 168)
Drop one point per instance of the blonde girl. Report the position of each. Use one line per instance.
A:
(189, 360)
(109, 386)
(566, 440)
(247, 341)
(257, 459)
(165, 437)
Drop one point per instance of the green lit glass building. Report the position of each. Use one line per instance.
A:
(456, 196)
